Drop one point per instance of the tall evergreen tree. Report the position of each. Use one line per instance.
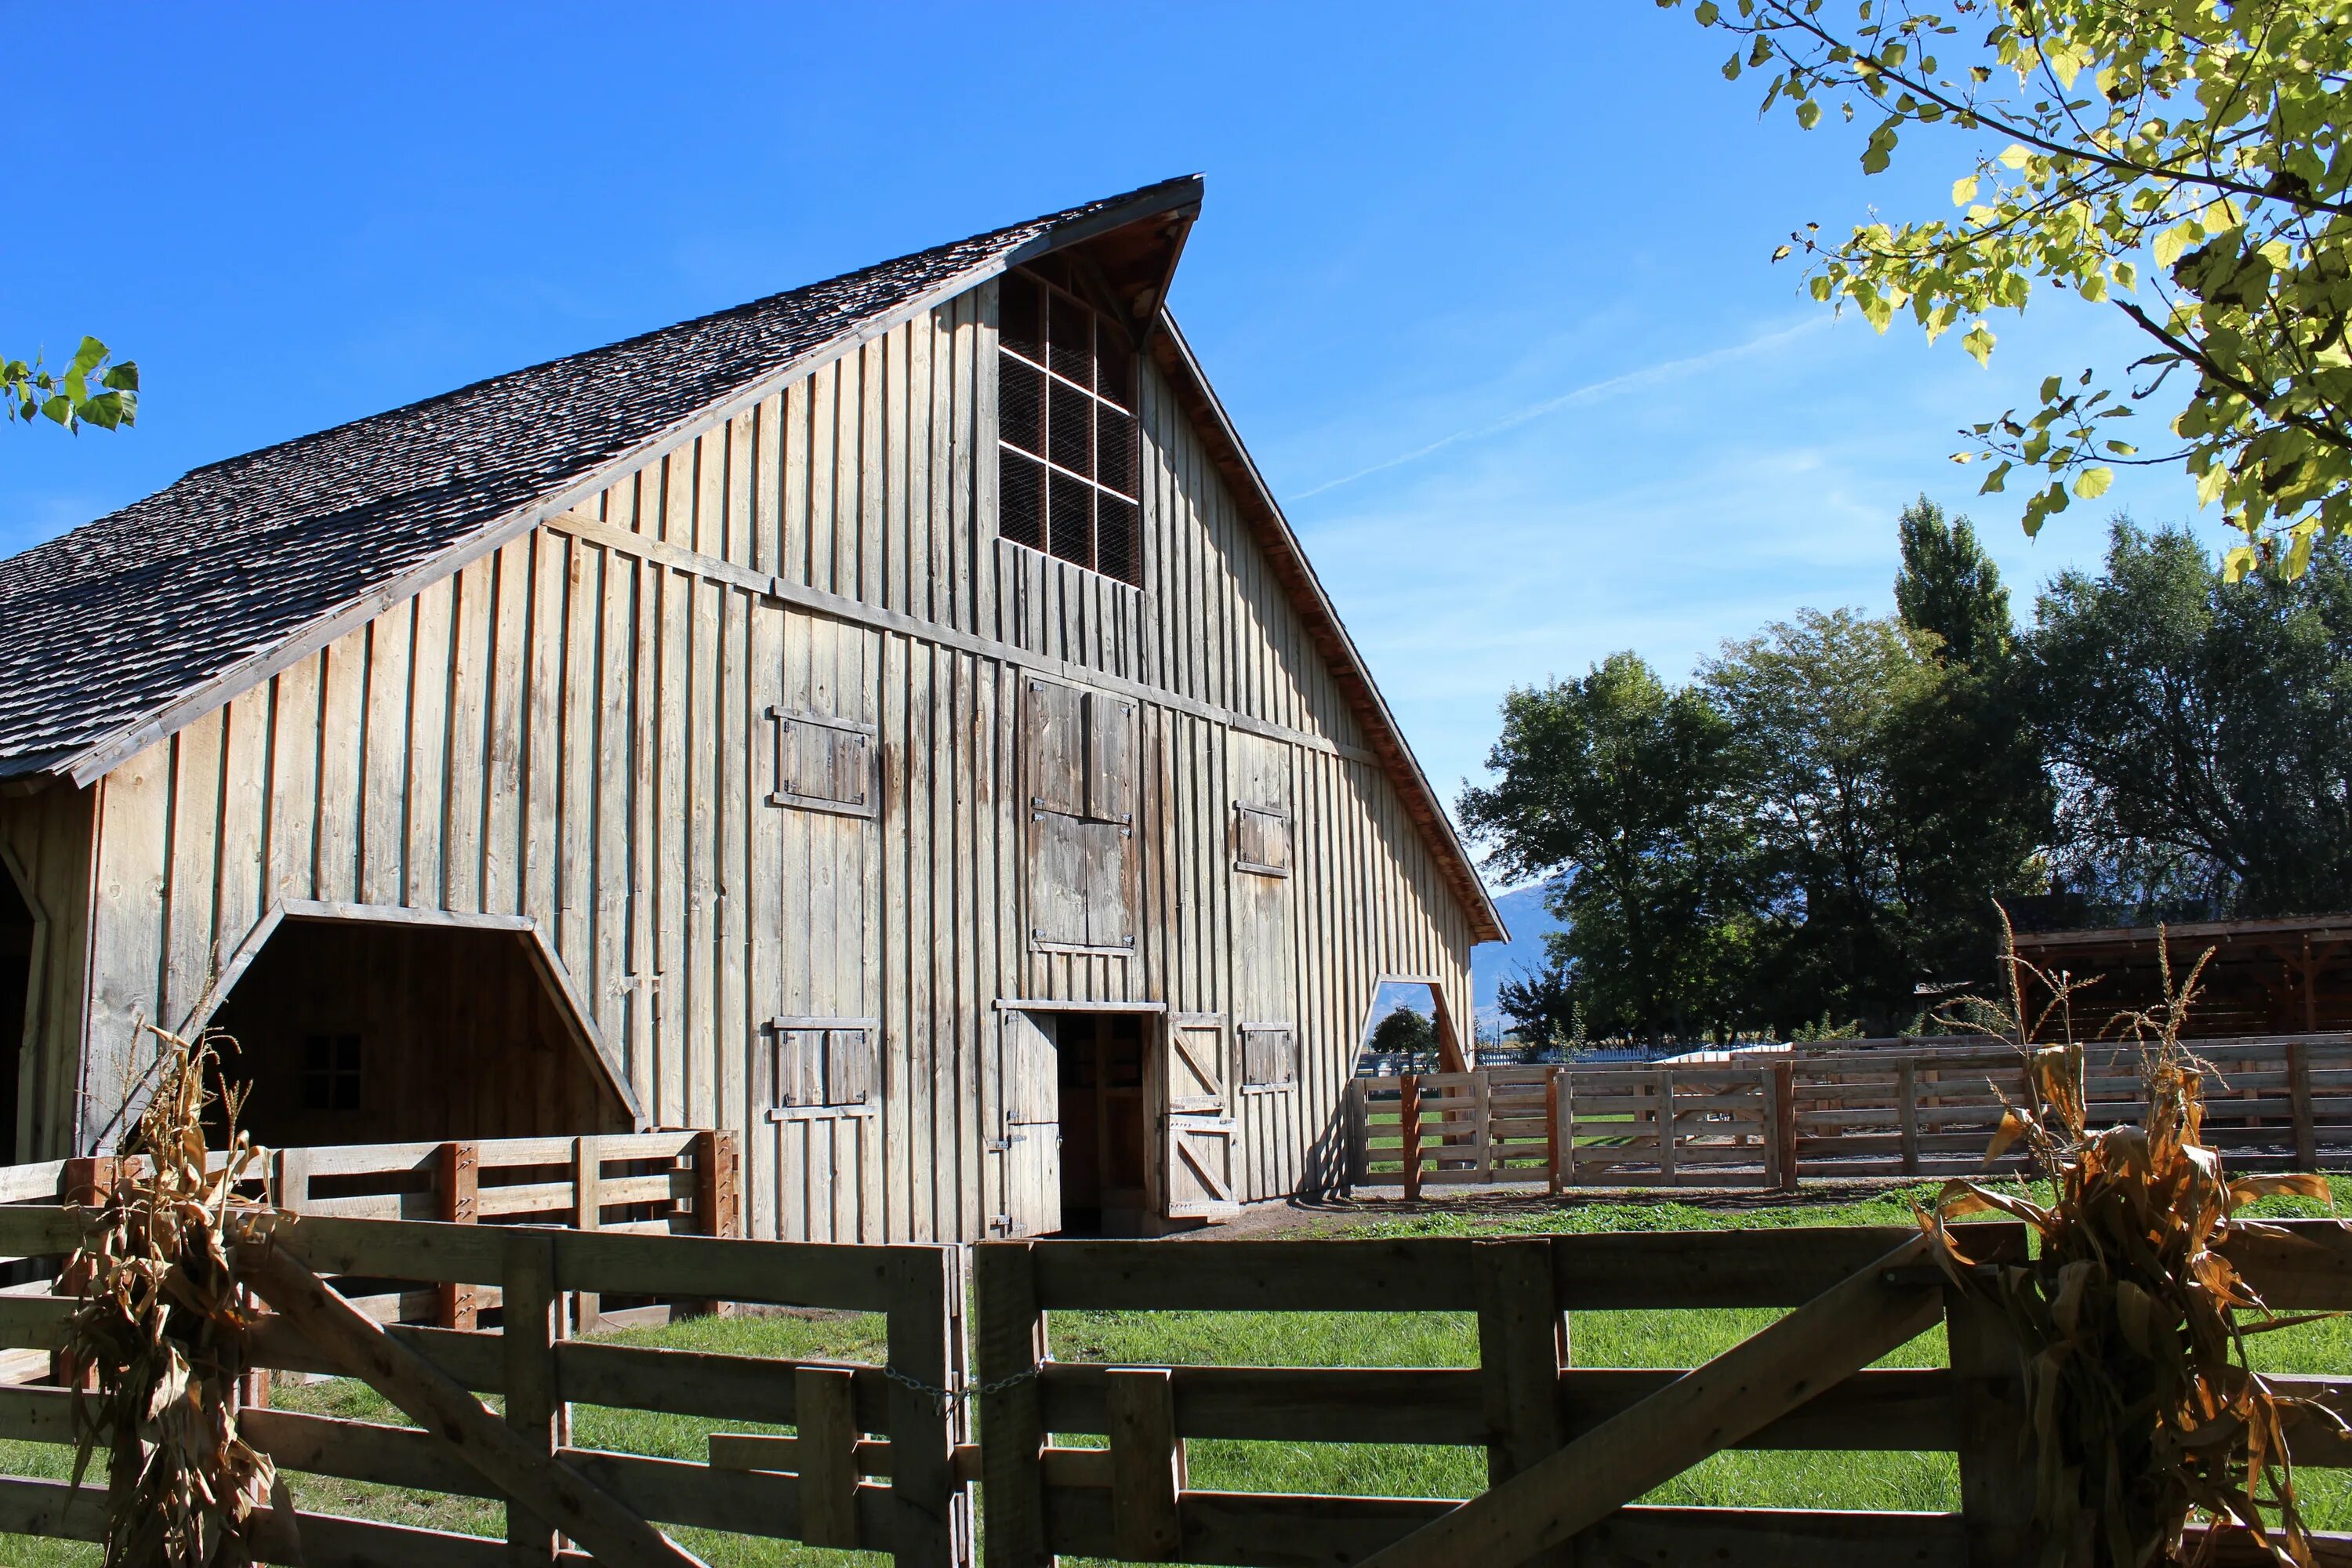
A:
(1948, 585)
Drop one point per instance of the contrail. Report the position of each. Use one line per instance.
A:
(1591, 391)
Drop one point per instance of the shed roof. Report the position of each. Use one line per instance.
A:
(126, 628)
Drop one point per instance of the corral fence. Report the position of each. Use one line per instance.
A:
(1900, 1108)
(852, 1423)
(1563, 1443)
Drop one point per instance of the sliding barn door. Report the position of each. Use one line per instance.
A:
(1028, 1144)
(1196, 1118)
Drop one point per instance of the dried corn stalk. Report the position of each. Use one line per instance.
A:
(162, 1331)
(2131, 1325)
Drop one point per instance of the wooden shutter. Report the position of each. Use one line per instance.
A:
(823, 764)
(1059, 846)
(1110, 758)
(800, 1067)
(1053, 749)
(1261, 840)
(1108, 859)
(849, 1067)
(1269, 1055)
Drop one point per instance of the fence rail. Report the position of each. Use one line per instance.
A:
(854, 1422)
(1523, 1402)
(1770, 1118)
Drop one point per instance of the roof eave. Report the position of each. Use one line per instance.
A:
(1355, 675)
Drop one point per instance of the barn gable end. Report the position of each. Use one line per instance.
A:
(737, 730)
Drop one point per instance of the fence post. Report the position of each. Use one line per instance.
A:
(1997, 1483)
(1907, 1112)
(1665, 1090)
(1522, 1344)
(1768, 1100)
(2298, 1082)
(718, 1184)
(1011, 1345)
(456, 1184)
(1146, 1463)
(1555, 1143)
(924, 1492)
(587, 1214)
(1482, 1121)
(89, 1182)
(1409, 1132)
(1359, 1133)
(527, 1281)
(824, 1417)
(1784, 1122)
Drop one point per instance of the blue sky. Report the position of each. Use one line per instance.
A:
(1485, 286)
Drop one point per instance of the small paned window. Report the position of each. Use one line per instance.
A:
(330, 1072)
(823, 764)
(1269, 1055)
(824, 1064)
(1065, 411)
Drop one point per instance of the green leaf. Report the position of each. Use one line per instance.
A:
(2091, 483)
(1964, 191)
(1707, 14)
(1979, 342)
(1809, 113)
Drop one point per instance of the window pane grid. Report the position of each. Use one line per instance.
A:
(1067, 442)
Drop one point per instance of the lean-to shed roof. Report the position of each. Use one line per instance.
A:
(126, 628)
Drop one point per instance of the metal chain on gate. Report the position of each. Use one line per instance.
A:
(947, 1401)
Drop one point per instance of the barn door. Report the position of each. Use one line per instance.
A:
(1029, 1131)
(1196, 1176)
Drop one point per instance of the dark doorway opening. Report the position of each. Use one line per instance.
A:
(359, 1032)
(16, 933)
(1105, 1124)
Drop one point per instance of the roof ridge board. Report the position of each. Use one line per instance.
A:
(1049, 223)
(84, 762)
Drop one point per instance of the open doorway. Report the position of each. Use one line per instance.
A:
(1106, 1123)
(1408, 1030)
(358, 1031)
(17, 929)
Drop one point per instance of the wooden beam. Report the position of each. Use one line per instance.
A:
(1757, 1381)
(551, 1490)
(1146, 1463)
(825, 1455)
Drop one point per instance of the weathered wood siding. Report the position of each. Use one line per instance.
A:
(577, 728)
(46, 841)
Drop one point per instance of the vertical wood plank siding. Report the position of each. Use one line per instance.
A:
(580, 732)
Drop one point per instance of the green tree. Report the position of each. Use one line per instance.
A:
(1620, 792)
(2201, 729)
(1405, 1033)
(1950, 588)
(90, 390)
(2178, 162)
(1969, 786)
(1542, 1008)
(1828, 710)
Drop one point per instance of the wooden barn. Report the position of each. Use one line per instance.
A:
(891, 719)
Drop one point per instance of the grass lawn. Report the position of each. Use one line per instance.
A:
(1817, 1479)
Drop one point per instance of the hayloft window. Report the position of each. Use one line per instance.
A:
(1079, 766)
(1261, 840)
(330, 1072)
(1066, 415)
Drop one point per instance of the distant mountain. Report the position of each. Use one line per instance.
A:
(1525, 916)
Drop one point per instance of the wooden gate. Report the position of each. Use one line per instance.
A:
(816, 1487)
(1194, 1089)
(1568, 1449)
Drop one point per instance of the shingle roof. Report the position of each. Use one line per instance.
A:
(105, 627)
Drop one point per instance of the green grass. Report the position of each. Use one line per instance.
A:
(1647, 1339)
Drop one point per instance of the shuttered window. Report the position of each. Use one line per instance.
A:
(1079, 767)
(822, 764)
(1269, 1055)
(1261, 840)
(1066, 415)
(822, 1064)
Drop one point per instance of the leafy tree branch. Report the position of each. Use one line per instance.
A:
(90, 390)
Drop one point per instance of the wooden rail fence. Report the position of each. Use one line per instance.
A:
(854, 1423)
(1898, 1108)
(1525, 1401)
